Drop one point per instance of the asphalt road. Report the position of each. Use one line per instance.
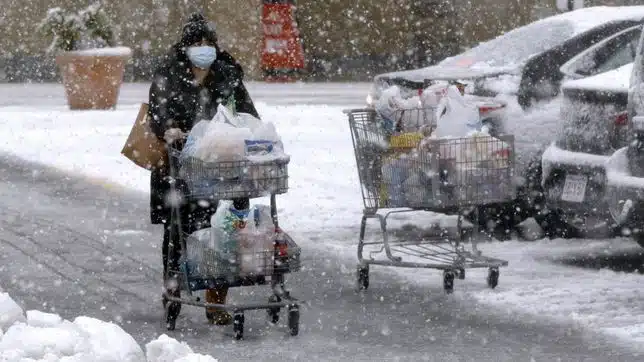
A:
(51, 94)
(81, 248)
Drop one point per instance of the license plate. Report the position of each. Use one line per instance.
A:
(574, 188)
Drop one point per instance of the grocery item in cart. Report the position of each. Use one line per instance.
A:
(229, 138)
(239, 236)
(456, 117)
(389, 106)
(477, 150)
(408, 173)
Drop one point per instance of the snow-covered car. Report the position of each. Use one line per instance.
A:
(625, 167)
(611, 53)
(593, 119)
(524, 62)
(593, 127)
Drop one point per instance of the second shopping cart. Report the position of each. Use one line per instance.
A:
(408, 170)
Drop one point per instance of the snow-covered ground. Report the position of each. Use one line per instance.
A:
(323, 208)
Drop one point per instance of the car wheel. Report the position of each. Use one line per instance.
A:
(504, 220)
(498, 220)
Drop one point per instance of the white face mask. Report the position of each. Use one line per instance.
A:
(202, 56)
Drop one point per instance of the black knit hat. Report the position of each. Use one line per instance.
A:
(196, 29)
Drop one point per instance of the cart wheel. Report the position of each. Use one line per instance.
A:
(238, 324)
(461, 274)
(273, 313)
(363, 277)
(294, 319)
(448, 281)
(493, 277)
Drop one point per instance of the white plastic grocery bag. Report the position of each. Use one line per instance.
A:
(456, 117)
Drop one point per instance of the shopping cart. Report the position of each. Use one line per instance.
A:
(403, 172)
(199, 268)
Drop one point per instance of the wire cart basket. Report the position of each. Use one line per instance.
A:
(200, 268)
(403, 172)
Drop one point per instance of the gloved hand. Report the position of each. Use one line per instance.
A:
(173, 134)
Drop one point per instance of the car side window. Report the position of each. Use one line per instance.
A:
(622, 55)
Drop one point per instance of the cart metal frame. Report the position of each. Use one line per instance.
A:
(185, 175)
(440, 251)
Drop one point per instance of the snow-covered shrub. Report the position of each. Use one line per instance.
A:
(86, 29)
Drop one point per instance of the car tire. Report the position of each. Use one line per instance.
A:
(502, 221)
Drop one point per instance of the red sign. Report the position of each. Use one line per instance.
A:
(281, 46)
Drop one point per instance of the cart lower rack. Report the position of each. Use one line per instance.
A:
(399, 173)
(198, 268)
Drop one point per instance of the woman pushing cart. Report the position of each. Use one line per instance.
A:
(195, 78)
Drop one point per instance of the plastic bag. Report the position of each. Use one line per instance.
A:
(222, 225)
(194, 252)
(246, 120)
(459, 119)
(196, 134)
(225, 115)
(233, 137)
(222, 142)
(244, 236)
(433, 94)
(389, 106)
(394, 173)
(386, 107)
(256, 242)
(265, 141)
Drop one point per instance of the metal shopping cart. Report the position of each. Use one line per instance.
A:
(203, 268)
(404, 171)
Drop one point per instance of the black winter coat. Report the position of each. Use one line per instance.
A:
(177, 102)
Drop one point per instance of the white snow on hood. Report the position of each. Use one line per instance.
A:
(616, 80)
(508, 52)
(516, 46)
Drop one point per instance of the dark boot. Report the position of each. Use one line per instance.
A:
(217, 316)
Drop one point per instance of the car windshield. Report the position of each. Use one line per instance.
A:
(515, 46)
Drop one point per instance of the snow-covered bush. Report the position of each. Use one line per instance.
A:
(86, 29)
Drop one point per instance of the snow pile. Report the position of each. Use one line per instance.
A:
(45, 337)
(166, 349)
(10, 312)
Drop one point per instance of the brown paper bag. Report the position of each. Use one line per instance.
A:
(142, 146)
